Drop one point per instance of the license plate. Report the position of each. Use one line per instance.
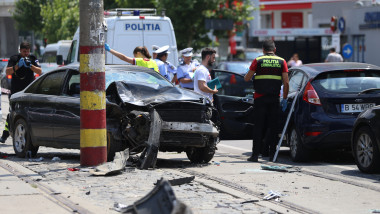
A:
(351, 108)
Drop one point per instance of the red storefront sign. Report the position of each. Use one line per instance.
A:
(292, 20)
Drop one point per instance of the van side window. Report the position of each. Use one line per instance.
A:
(71, 56)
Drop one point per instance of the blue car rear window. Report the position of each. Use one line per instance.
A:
(347, 81)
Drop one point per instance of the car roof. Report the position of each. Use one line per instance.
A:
(314, 69)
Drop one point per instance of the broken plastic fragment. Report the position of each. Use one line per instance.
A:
(56, 159)
(73, 169)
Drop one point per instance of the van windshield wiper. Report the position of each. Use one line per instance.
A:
(368, 90)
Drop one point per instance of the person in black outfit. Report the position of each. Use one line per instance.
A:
(270, 73)
(22, 68)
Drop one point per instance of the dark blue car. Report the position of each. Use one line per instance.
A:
(331, 96)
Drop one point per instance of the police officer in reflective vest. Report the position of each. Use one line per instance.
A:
(269, 73)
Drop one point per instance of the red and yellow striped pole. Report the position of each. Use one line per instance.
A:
(93, 140)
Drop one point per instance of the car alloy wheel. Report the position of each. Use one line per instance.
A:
(20, 138)
(364, 150)
(22, 142)
(298, 152)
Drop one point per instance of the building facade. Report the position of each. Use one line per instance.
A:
(9, 40)
(304, 27)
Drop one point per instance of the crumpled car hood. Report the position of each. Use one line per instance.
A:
(142, 94)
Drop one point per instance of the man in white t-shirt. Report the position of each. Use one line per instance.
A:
(202, 75)
(334, 56)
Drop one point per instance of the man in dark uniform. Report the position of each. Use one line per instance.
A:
(22, 68)
(270, 73)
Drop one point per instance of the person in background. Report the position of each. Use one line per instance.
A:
(185, 72)
(333, 56)
(202, 74)
(22, 68)
(166, 68)
(271, 72)
(294, 61)
(141, 57)
(155, 48)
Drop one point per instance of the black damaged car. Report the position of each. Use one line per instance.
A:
(139, 102)
(365, 141)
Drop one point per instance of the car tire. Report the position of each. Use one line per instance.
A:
(298, 152)
(113, 146)
(22, 142)
(203, 155)
(366, 151)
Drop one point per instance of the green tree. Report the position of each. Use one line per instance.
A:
(188, 20)
(28, 15)
(110, 4)
(60, 19)
(189, 16)
(237, 10)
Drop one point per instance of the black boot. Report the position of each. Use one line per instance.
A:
(4, 136)
(253, 159)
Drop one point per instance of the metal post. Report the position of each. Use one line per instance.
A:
(93, 140)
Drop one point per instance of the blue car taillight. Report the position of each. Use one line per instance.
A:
(310, 95)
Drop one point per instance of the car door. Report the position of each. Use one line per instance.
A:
(234, 102)
(67, 114)
(297, 81)
(41, 98)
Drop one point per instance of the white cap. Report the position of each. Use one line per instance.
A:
(155, 47)
(187, 52)
(163, 49)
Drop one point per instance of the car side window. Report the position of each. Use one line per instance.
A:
(52, 83)
(233, 85)
(73, 86)
(296, 81)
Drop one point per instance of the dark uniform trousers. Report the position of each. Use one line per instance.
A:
(265, 119)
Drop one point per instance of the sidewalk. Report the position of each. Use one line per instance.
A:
(17, 196)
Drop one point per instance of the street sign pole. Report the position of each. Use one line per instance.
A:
(93, 141)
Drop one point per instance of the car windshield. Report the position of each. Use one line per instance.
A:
(347, 81)
(238, 67)
(136, 77)
(252, 55)
(3, 64)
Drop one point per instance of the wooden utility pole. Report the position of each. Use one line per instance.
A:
(93, 140)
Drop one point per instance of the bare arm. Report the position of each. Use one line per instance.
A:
(203, 87)
(285, 81)
(248, 76)
(36, 69)
(10, 70)
(185, 80)
(121, 56)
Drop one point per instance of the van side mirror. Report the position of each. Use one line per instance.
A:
(59, 59)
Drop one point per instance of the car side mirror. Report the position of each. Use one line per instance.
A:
(59, 59)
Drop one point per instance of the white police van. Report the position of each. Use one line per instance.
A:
(129, 28)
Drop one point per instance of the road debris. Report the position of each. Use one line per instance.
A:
(281, 168)
(179, 181)
(73, 169)
(111, 168)
(160, 200)
(36, 159)
(250, 201)
(55, 159)
(272, 195)
(216, 163)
